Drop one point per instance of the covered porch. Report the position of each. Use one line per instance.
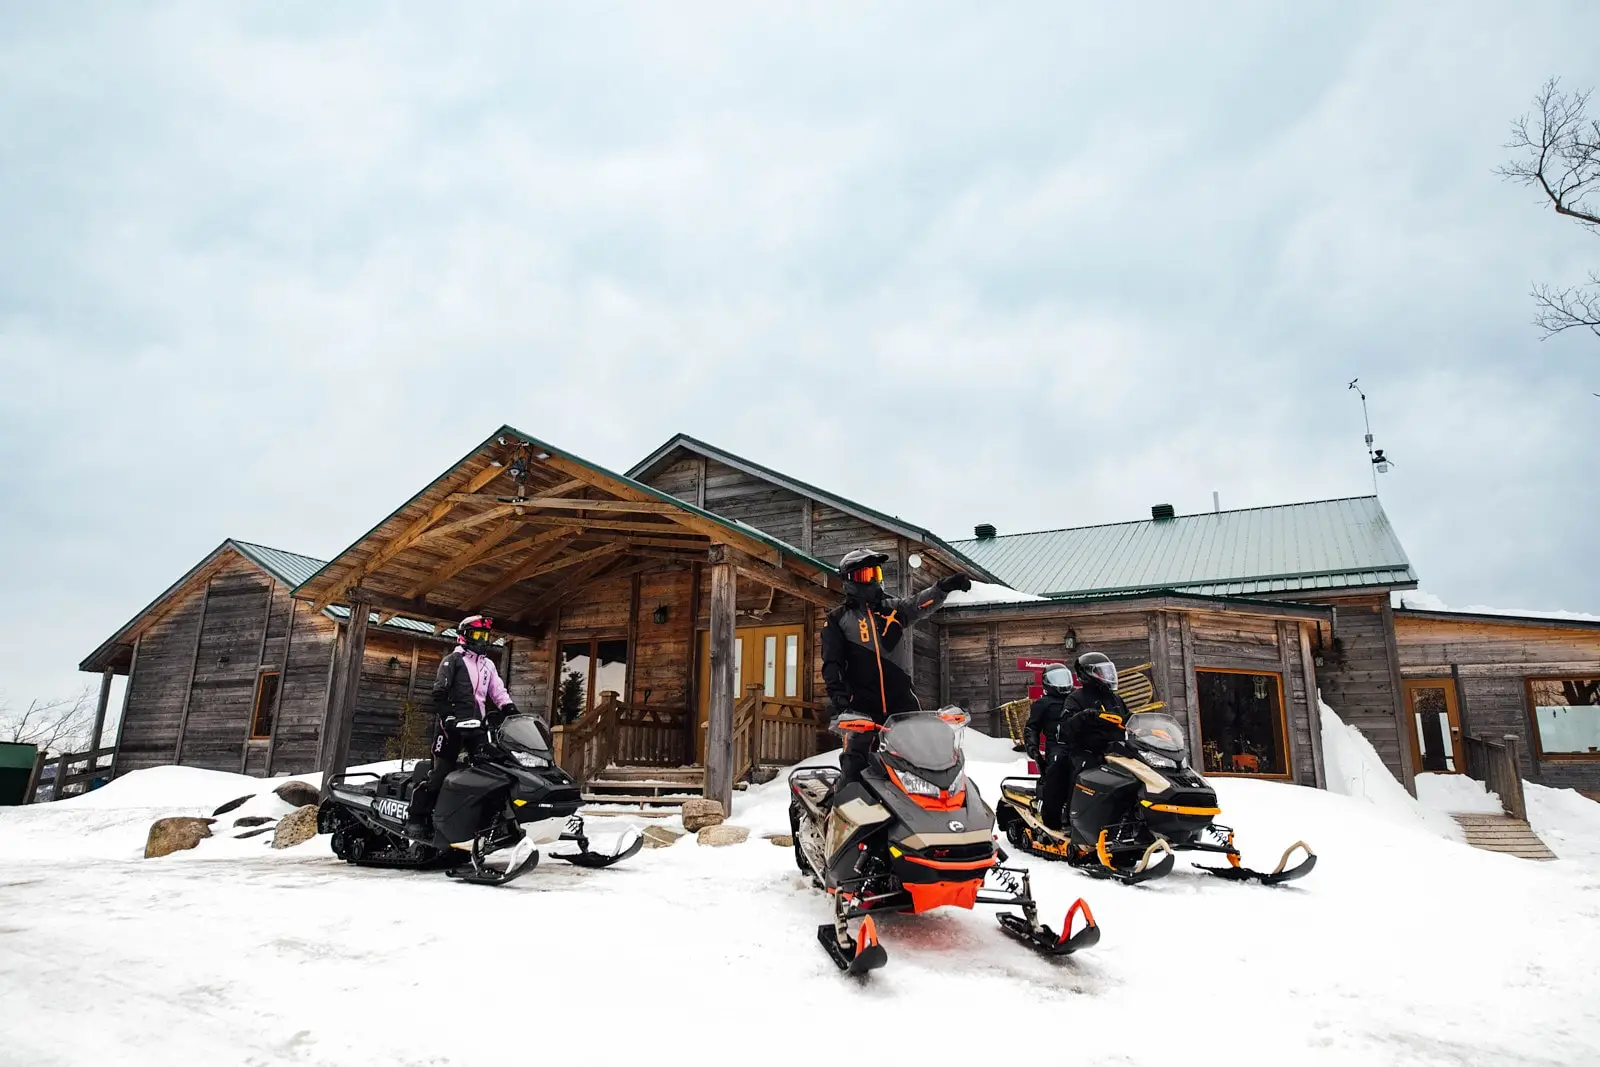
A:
(651, 633)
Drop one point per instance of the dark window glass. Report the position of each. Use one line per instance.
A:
(1566, 713)
(1241, 723)
(266, 699)
(587, 669)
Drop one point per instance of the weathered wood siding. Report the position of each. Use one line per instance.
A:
(226, 668)
(297, 731)
(158, 683)
(1357, 682)
(1493, 662)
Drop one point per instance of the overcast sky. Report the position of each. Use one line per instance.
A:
(265, 270)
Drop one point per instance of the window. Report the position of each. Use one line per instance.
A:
(791, 665)
(769, 670)
(586, 669)
(1566, 717)
(1241, 723)
(266, 700)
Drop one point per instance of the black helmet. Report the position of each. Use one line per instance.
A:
(1058, 681)
(1097, 672)
(473, 633)
(862, 574)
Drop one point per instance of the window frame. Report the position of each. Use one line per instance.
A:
(1537, 745)
(594, 642)
(255, 705)
(1283, 728)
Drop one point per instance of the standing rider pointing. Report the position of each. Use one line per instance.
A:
(866, 652)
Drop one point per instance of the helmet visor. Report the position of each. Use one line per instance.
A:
(865, 575)
(1105, 672)
(1058, 678)
(477, 634)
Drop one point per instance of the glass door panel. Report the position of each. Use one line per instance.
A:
(1435, 726)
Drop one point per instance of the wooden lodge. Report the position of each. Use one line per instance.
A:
(666, 623)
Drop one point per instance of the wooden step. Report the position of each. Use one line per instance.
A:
(1503, 834)
(694, 776)
(636, 799)
(641, 787)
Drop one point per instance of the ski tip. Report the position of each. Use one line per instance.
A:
(867, 936)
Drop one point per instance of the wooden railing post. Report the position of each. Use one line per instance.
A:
(720, 700)
(1512, 799)
(61, 777)
(34, 775)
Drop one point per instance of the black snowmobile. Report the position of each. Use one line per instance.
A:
(479, 815)
(1131, 813)
(913, 835)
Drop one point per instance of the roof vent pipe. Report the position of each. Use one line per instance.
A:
(1216, 501)
(1162, 511)
(983, 531)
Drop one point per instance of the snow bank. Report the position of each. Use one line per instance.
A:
(989, 593)
(1456, 792)
(1354, 769)
(1566, 820)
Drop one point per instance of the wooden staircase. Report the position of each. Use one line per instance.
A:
(653, 792)
(1503, 833)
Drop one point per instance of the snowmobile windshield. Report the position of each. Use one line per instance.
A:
(525, 733)
(1159, 732)
(921, 739)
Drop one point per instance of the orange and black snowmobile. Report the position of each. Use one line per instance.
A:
(911, 836)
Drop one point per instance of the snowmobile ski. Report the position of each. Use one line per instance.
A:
(1279, 874)
(857, 955)
(481, 872)
(1102, 864)
(1046, 941)
(629, 842)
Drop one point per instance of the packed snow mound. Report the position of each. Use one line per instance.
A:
(1566, 820)
(1354, 769)
(1456, 793)
(989, 593)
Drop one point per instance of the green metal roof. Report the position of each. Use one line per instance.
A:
(290, 568)
(1289, 548)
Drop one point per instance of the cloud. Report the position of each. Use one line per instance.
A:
(267, 271)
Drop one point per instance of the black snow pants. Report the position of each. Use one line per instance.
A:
(1061, 769)
(448, 741)
(853, 760)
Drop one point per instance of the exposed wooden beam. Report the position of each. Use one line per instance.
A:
(467, 523)
(774, 577)
(525, 569)
(403, 540)
(434, 612)
(512, 548)
(464, 559)
(664, 542)
(666, 528)
(643, 507)
(551, 598)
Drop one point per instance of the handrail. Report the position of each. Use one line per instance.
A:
(1501, 770)
(747, 732)
(64, 778)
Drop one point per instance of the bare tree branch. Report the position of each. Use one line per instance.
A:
(1559, 148)
(1576, 307)
(59, 726)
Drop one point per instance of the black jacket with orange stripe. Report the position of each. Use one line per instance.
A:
(866, 654)
(1091, 723)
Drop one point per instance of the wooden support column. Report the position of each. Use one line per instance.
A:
(341, 713)
(34, 775)
(194, 667)
(994, 678)
(100, 709)
(283, 683)
(127, 700)
(1191, 692)
(1402, 735)
(719, 730)
(691, 684)
(1286, 690)
(1308, 667)
(1160, 659)
(944, 666)
(633, 640)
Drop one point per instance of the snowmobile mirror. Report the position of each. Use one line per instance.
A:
(955, 716)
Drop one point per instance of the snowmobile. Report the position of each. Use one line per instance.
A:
(1130, 814)
(911, 836)
(479, 816)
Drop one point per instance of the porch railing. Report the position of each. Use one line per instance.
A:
(75, 773)
(1496, 763)
(614, 732)
(791, 730)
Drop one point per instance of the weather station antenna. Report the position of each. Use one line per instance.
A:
(1379, 462)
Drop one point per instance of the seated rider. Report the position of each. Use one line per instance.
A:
(464, 690)
(1093, 717)
(866, 653)
(1046, 718)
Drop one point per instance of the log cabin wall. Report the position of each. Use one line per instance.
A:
(1492, 662)
(1358, 678)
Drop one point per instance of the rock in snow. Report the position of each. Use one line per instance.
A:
(175, 835)
(698, 813)
(781, 840)
(253, 820)
(722, 834)
(297, 826)
(298, 793)
(234, 803)
(660, 836)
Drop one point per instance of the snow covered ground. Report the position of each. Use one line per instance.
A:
(1403, 947)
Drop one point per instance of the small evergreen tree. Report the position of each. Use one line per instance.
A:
(571, 696)
(415, 737)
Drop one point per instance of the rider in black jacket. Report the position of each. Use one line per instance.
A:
(1046, 720)
(1094, 716)
(866, 652)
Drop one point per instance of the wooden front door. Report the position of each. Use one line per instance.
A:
(1436, 745)
(773, 657)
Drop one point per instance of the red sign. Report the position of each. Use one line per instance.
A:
(1037, 667)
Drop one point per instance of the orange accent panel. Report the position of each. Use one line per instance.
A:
(943, 894)
(950, 865)
(867, 936)
(1088, 918)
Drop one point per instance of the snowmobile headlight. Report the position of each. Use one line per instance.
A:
(528, 759)
(1156, 760)
(916, 785)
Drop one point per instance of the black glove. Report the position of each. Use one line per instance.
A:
(955, 582)
(498, 716)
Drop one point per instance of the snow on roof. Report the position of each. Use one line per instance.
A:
(989, 593)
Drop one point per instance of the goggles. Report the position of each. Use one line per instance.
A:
(867, 574)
